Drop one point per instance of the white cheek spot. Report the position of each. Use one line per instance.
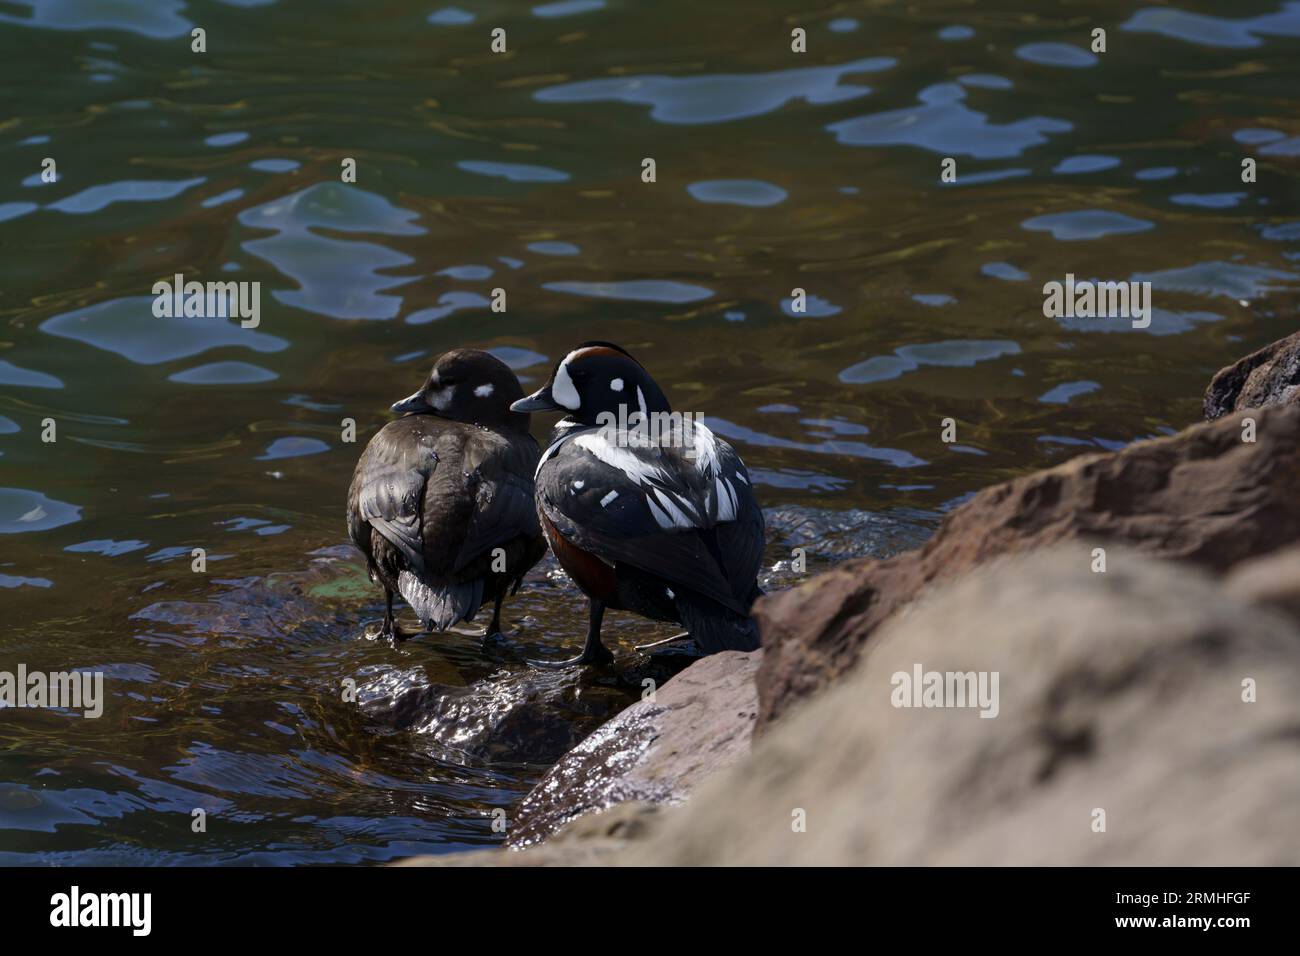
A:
(563, 390)
(441, 399)
(604, 502)
(669, 592)
(483, 391)
(616, 385)
(579, 485)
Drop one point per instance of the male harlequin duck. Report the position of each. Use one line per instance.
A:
(439, 490)
(659, 519)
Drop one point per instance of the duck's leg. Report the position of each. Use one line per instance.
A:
(495, 626)
(387, 629)
(593, 651)
(390, 628)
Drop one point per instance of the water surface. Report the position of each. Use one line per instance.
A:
(522, 171)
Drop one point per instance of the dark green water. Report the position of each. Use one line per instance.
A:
(522, 171)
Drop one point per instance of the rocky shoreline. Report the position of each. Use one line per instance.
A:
(1142, 608)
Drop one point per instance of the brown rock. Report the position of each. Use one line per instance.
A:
(654, 751)
(1120, 691)
(1273, 579)
(1268, 377)
(1203, 495)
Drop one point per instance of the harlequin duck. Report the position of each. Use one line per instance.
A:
(437, 491)
(647, 511)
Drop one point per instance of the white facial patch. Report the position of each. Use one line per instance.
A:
(483, 391)
(616, 385)
(579, 485)
(441, 398)
(562, 389)
(604, 502)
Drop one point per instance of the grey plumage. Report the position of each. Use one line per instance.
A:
(444, 604)
(441, 502)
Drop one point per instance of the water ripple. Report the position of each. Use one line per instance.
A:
(720, 97)
(943, 124)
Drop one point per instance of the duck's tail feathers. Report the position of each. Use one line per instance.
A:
(716, 628)
(442, 605)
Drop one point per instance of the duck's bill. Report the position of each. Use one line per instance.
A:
(539, 401)
(412, 403)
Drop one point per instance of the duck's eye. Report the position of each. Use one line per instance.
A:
(579, 375)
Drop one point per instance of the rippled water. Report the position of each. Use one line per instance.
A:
(522, 171)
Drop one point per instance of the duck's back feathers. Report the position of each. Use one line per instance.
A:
(690, 521)
(388, 489)
(429, 502)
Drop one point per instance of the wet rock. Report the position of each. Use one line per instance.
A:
(656, 751)
(463, 706)
(1268, 377)
(1203, 495)
(517, 715)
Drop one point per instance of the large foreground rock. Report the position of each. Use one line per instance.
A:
(1203, 496)
(1268, 377)
(655, 751)
(1119, 692)
(1273, 579)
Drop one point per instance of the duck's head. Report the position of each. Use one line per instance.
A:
(596, 378)
(469, 385)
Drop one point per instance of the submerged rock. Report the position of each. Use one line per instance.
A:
(319, 598)
(1202, 495)
(656, 751)
(1270, 376)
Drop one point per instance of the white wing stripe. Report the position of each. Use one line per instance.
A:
(625, 461)
(726, 499)
(660, 516)
(674, 516)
